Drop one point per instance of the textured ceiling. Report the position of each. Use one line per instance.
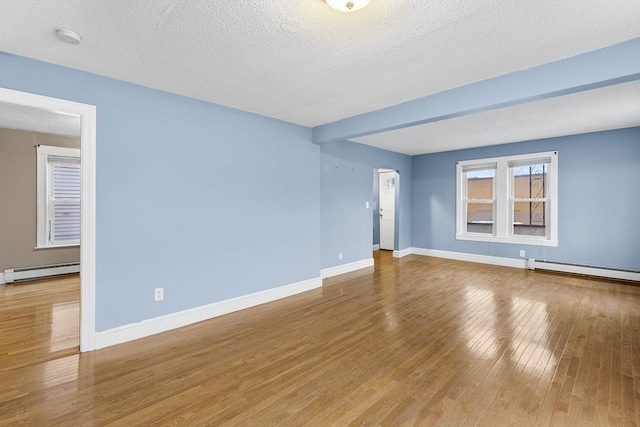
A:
(302, 62)
(25, 118)
(611, 107)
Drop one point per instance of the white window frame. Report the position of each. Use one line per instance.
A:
(43, 211)
(465, 201)
(503, 199)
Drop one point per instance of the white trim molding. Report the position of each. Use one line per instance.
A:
(346, 268)
(2, 282)
(482, 259)
(402, 252)
(376, 247)
(511, 240)
(87, 114)
(179, 319)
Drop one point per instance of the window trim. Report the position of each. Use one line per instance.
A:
(503, 226)
(43, 182)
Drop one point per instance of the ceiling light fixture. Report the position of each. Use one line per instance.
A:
(347, 5)
(68, 36)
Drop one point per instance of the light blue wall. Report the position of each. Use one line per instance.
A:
(598, 208)
(347, 226)
(212, 203)
(346, 222)
(207, 201)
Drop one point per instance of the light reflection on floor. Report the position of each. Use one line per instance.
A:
(531, 345)
(502, 330)
(65, 319)
(481, 339)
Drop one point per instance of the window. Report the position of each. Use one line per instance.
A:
(58, 196)
(479, 199)
(508, 199)
(528, 201)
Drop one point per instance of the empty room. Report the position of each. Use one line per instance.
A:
(319, 212)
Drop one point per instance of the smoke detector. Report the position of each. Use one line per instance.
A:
(68, 36)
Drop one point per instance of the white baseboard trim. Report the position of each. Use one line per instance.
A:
(2, 282)
(482, 259)
(346, 268)
(531, 264)
(402, 252)
(586, 270)
(167, 322)
(376, 247)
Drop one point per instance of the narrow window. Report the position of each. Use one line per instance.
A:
(480, 200)
(529, 199)
(58, 180)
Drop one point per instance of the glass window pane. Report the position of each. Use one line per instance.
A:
(480, 218)
(530, 181)
(480, 184)
(529, 219)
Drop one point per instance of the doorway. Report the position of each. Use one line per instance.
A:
(385, 222)
(39, 235)
(87, 119)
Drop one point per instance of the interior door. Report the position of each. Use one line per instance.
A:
(388, 182)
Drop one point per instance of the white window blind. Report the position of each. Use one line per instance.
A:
(65, 200)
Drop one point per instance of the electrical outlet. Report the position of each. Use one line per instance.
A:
(158, 294)
(340, 255)
(522, 253)
(367, 205)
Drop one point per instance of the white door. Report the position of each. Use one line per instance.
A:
(388, 181)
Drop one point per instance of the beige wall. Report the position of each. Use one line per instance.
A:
(18, 200)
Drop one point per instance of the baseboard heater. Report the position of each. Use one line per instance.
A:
(589, 270)
(28, 273)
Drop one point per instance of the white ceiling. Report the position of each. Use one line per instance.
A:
(302, 62)
(612, 107)
(25, 118)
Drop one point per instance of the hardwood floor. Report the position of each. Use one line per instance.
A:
(39, 321)
(415, 341)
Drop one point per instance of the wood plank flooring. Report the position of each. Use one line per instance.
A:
(413, 341)
(39, 321)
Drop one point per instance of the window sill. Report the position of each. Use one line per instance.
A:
(73, 245)
(511, 240)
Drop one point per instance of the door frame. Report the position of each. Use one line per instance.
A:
(87, 114)
(380, 193)
(396, 216)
